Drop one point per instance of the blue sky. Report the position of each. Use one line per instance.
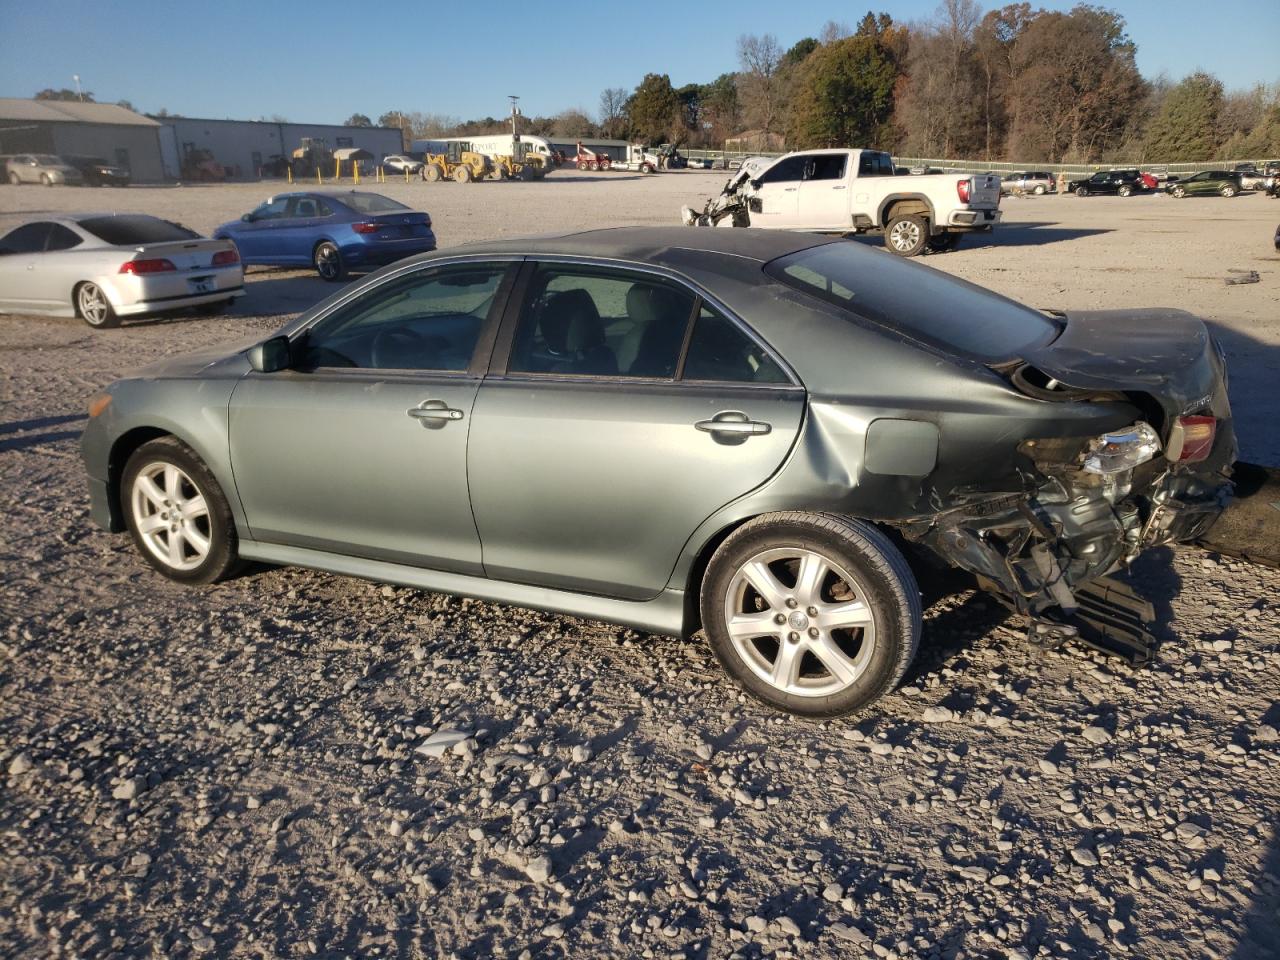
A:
(320, 61)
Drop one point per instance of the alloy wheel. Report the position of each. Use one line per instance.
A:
(327, 262)
(171, 515)
(800, 622)
(93, 304)
(904, 235)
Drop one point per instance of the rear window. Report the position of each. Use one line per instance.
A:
(371, 203)
(920, 302)
(135, 229)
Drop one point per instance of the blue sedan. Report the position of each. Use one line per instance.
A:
(333, 232)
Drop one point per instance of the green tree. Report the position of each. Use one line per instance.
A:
(1185, 128)
(358, 120)
(843, 95)
(64, 94)
(653, 112)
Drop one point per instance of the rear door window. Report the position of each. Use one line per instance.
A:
(60, 238)
(719, 350)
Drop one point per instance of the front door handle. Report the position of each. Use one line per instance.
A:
(434, 413)
(733, 423)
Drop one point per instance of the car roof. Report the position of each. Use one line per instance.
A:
(660, 245)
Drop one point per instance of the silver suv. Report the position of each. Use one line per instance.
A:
(43, 168)
(1038, 182)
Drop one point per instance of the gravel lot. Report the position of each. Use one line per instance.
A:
(293, 764)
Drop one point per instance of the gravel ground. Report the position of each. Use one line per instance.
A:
(293, 764)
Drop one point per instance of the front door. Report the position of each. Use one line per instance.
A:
(257, 238)
(824, 193)
(360, 447)
(22, 283)
(614, 429)
(777, 199)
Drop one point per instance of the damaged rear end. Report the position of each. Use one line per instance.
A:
(1091, 504)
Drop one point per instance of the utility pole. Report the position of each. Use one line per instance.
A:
(515, 112)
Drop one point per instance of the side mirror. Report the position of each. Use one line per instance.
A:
(270, 355)
(248, 218)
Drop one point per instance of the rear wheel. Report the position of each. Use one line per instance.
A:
(906, 235)
(94, 308)
(213, 309)
(328, 262)
(46, 180)
(1228, 190)
(1124, 191)
(462, 174)
(814, 614)
(15, 179)
(178, 516)
(593, 165)
(943, 242)
(582, 164)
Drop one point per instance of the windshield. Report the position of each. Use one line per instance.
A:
(923, 303)
(130, 230)
(371, 203)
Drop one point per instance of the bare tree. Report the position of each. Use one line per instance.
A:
(834, 30)
(759, 88)
(613, 111)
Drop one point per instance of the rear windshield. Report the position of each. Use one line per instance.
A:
(129, 230)
(371, 203)
(922, 303)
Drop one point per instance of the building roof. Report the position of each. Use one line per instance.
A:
(70, 111)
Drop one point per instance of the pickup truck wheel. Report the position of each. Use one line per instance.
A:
(943, 242)
(906, 236)
(1082, 191)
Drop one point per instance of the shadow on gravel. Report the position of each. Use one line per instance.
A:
(1034, 234)
(39, 423)
(1261, 940)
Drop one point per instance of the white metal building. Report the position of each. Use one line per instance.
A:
(75, 128)
(246, 147)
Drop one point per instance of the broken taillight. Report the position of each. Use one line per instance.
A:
(1121, 450)
(1191, 439)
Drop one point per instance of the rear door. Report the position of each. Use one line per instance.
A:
(824, 192)
(621, 412)
(777, 201)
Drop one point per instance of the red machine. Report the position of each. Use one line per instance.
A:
(590, 160)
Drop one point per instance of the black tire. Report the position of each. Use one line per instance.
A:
(431, 173)
(526, 174)
(15, 180)
(93, 307)
(1124, 191)
(216, 524)
(1082, 191)
(907, 235)
(943, 242)
(462, 173)
(213, 309)
(1039, 190)
(1228, 190)
(1178, 192)
(46, 180)
(327, 259)
(884, 584)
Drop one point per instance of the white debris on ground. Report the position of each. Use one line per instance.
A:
(298, 764)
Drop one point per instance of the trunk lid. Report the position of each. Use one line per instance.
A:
(183, 254)
(984, 191)
(400, 224)
(1167, 354)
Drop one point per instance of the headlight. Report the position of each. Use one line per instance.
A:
(1121, 450)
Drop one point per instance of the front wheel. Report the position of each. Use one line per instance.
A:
(94, 308)
(1178, 192)
(1039, 190)
(178, 516)
(46, 180)
(906, 236)
(1228, 191)
(328, 262)
(815, 614)
(1082, 191)
(15, 179)
(462, 174)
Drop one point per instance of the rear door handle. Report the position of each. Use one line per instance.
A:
(733, 423)
(434, 412)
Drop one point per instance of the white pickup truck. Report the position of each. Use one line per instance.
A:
(854, 191)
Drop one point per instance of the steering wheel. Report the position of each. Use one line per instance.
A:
(396, 348)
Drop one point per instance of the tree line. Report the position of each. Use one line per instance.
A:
(1016, 82)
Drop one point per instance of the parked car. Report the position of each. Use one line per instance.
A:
(1251, 178)
(44, 168)
(402, 164)
(1225, 183)
(1038, 182)
(333, 232)
(680, 430)
(1119, 182)
(101, 267)
(98, 173)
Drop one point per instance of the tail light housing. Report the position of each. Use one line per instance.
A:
(225, 258)
(367, 227)
(1191, 439)
(155, 265)
(962, 190)
(1121, 450)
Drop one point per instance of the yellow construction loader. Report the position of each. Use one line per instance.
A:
(459, 162)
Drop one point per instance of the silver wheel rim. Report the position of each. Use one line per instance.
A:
(93, 305)
(171, 516)
(800, 622)
(327, 260)
(904, 235)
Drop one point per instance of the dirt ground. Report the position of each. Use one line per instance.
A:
(235, 771)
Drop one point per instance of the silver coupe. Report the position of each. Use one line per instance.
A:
(103, 266)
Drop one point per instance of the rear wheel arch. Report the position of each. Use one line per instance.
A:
(901, 206)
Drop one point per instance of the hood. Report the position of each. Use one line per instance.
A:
(1162, 352)
(222, 359)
